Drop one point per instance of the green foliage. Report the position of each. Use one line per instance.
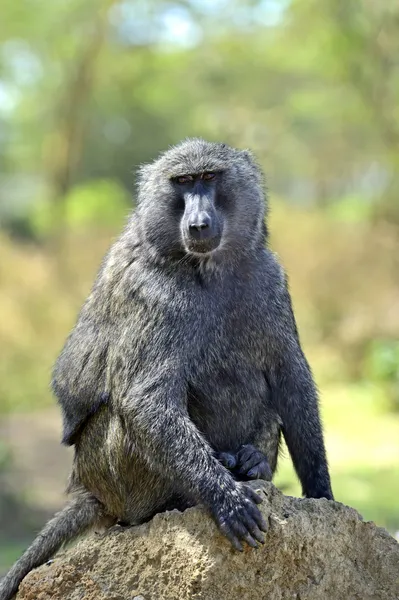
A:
(89, 90)
(101, 202)
(384, 359)
(98, 203)
(382, 365)
(363, 446)
(10, 552)
(5, 457)
(351, 209)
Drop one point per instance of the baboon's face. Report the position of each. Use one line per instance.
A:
(201, 219)
(200, 198)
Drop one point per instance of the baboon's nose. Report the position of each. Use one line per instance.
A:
(199, 225)
(200, 222)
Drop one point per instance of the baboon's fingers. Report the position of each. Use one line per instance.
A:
(251, 462)
(245, 535)
(252, 495)
(227, 459)
(245, 452)
(261, 471)
(255, 531)
(227, 530)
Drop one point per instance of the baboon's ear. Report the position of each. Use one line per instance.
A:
(252, 161)
(249, 157)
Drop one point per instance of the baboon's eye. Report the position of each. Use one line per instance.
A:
(208, 176)
(184, 179)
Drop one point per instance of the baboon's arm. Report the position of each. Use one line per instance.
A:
(79, 376)
(156, 411)
(170, 442)
(295, 397)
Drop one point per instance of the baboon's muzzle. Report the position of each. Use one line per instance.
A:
(201, 226)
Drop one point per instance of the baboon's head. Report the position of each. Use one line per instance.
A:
(202, 198)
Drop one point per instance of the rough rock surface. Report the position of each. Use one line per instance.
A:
(314, 549)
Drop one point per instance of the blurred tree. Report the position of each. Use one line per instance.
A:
(89, 89)
(94, 88)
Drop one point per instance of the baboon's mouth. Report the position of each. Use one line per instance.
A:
(202, 246)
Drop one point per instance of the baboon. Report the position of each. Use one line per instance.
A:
(184, 366)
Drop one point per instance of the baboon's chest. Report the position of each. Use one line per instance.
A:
(227, 404)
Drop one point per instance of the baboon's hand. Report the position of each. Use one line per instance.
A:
(239, 518)
(228, 459)
(252, 463)
(247, 463)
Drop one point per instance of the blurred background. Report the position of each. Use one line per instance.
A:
(91, 89)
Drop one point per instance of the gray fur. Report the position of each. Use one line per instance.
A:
(180, 355)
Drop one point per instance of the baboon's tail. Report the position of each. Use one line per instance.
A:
(79, 515)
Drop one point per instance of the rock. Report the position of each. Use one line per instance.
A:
(315, 549)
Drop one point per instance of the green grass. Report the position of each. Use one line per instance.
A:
(363, 450)
(10, 552)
